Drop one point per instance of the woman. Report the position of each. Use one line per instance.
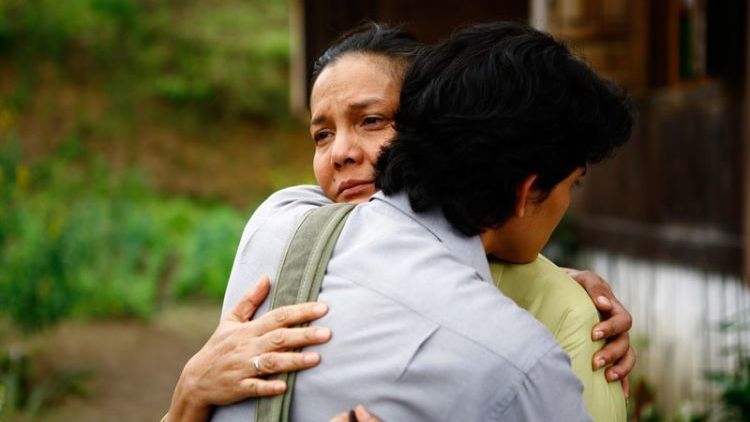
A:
(354, 97)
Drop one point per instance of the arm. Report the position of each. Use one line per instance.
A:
(615, 328)
(604, 400)
(228, 368)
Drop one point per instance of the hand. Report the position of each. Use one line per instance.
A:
(359, 414)
(224, 370)
(617, 351)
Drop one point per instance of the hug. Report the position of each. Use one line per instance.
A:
(461, 158)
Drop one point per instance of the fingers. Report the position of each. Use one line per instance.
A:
(250, 302)
(256, 387)
(273, 363)
(626, 387)
(612, 352)
(621, 369)
(341, 417)
(363, 415)
(358, 414)
(595, 286)
(292, 338)
(287, 316)
(619, 322)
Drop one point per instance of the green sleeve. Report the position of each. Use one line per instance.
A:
(563, 306)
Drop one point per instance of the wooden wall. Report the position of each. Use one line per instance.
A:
(675, 192)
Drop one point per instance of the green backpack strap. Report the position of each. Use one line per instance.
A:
(299, 278)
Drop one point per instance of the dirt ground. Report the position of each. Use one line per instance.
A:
(134, 364)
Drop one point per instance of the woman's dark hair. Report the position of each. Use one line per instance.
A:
(487, 108)
(371, 38)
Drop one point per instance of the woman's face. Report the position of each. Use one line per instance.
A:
(352, 106)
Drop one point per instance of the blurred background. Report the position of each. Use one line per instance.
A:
(137, 136)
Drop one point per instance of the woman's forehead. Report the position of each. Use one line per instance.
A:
(358, 67)
(354, 80)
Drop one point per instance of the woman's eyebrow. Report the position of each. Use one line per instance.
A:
(317, 119)
(364, 103)
(355, 106)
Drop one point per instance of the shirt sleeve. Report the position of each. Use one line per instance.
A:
(604, 400)
(549, 392)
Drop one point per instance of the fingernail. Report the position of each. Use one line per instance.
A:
(361, 409)
(322, 333)
(598, 335)
(600, 362)
(320, 308)
(310, 358)
(278, 386)
(603, 301)
(614, 377)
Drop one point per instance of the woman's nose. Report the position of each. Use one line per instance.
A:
(347, 149)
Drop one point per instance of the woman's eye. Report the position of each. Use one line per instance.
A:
(372, 120)
(321, 136)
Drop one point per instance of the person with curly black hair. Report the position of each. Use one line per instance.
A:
(500, 158)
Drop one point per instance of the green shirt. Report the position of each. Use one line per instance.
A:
(564, 307)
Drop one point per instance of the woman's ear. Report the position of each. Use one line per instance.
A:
(524, 195)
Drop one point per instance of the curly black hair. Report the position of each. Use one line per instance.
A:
(488, 107)
(372, 38)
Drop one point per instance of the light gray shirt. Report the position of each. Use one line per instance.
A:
(420, 333)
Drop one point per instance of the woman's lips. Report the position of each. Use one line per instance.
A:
(353, 189)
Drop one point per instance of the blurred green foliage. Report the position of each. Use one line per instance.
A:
(735, 392)
(77, 239)
(84, 85)
(734, 385)
(223, 57)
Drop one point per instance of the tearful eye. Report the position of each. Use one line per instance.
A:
(321, 136)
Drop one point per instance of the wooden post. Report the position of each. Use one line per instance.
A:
(298, 60)
(745, 182)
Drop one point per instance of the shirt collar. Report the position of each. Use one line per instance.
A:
(468, 249)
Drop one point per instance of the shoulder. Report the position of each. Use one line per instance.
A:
(548, 293)
(285, 205)
(301, 195)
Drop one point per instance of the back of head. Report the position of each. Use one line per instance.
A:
(485, 109)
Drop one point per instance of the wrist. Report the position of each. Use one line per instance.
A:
(187, 404)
